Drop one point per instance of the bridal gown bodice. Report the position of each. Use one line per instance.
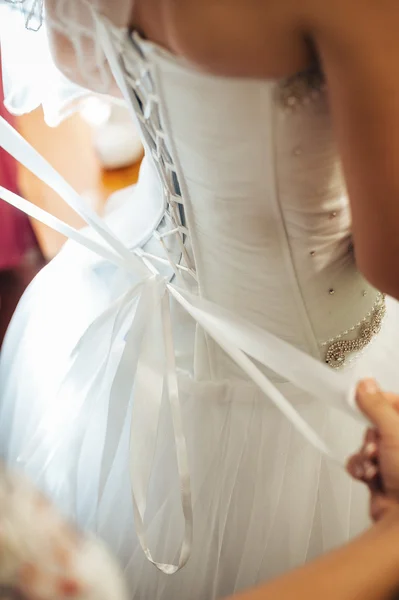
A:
(241, 205)
(265, 205)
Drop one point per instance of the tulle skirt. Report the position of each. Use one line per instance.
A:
(264, 499)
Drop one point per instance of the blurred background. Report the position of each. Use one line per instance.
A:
(104, 138)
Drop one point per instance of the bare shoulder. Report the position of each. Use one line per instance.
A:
(350, 19)
(233, 37)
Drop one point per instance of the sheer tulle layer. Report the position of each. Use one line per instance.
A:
(30, 75)
(264, 499)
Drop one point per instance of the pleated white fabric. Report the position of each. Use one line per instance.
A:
(163, 377)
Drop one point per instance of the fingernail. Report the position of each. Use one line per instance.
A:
(369, 386)
(370, 471)
(358, 472)
(370, 449)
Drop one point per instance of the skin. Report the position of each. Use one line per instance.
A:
(356, 43)
(366, 568)
(377, 461)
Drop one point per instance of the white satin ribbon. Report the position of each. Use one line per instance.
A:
(147, 369)
(15, 145)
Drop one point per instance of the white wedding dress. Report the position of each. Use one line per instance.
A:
(229, 273)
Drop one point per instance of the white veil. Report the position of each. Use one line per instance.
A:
(37, 34)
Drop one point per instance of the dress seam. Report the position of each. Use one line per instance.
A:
(186, 201)
(286, 246)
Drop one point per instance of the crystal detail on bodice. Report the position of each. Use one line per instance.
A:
(340, 348)
(302, 88)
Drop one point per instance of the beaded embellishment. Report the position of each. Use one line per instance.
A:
(338, 349)
(301, 88)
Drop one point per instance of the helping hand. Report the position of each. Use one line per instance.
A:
(377, 462)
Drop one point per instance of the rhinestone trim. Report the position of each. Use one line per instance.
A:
(339, 350)
(302, 88)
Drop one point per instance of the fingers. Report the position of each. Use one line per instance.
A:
(363, 465)
(362, 469)
(380, 505)
(393, 399)
(370, 446)
(378, 407)
(355, 467)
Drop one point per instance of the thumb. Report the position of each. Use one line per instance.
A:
(376, 406)
(380, 504)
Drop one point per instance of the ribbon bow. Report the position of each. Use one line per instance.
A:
(147, 369)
